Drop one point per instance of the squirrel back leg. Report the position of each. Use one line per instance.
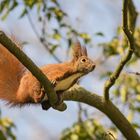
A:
(30, 90)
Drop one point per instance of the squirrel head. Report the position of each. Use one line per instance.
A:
(80, 59)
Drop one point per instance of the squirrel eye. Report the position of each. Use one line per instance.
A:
(83, 60)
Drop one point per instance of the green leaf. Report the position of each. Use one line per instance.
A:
(14, 5)
(63, 25)
(49, 15)
(106, 74)
(123, 91)
(53, 48)
(135, 125)
(24, 12)
(86, 37)
(137, 109)
(138, 88)
(99, 34)
(56, 36)
(55, 1)
(24, 43)
(69, 42)
(30, 3)
(2, 137)
(5, 15)
(138, 97)
(10, 134)
(130, 116)
(4, 3)
(39, 4)
(108, 136)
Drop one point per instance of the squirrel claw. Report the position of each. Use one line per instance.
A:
(45, 105)
(54, 82)
(44, 102)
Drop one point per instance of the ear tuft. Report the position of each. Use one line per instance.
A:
(84, 51)
(77, 50)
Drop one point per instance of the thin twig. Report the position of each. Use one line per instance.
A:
(42, 41)
(80, 110)
(136, 73)
(111, 81)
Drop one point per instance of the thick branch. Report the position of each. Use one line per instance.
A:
(111, 81)
(81, 95)
(28, 63)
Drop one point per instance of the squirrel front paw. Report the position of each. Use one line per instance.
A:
(45, 104)
(38, 95)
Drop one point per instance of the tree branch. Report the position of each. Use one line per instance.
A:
(129, 34)
(79, 94)
(28, 63)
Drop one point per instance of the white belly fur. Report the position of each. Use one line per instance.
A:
(67, 82)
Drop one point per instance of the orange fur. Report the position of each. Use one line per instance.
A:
(20, 87)
(11, 71)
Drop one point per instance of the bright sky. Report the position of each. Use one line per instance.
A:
(93, 16)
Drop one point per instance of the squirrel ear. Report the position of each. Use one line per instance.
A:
(84, 51)
(77, 50)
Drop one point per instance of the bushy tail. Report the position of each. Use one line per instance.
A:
(11, 71)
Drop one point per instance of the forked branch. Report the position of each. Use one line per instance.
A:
(80, 94)
(129, 34)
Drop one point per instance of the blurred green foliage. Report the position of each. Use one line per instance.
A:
(48, 11)
(6, 127)
(86, 130)
(119, 44)
(127, 87)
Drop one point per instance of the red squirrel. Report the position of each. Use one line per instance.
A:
(19, 87)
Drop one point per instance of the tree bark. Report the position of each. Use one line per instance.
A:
(80, 94)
